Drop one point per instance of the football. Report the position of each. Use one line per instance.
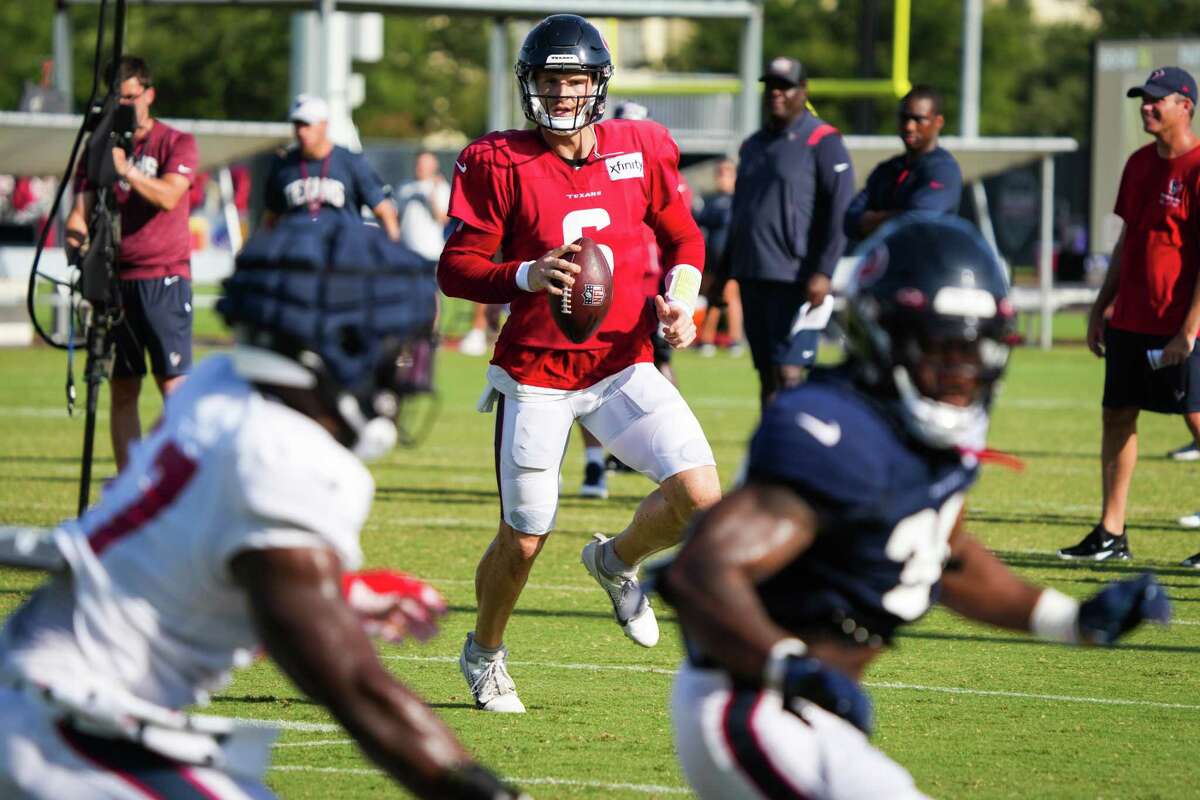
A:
(579, 311)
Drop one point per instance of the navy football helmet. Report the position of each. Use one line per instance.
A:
(336, 307)
(928, 325)
(564, 43)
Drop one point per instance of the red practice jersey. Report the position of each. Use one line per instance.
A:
(515, 197)
(1159, 201)
(155, 243)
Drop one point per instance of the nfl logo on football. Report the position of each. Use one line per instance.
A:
(593, 294)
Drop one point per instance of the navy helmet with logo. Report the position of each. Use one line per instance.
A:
(564, 43)
(350, 312)
(928, 325)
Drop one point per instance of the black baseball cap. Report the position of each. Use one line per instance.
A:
(1164, 81)
(785, 69)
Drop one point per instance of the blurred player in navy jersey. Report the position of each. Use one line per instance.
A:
(850, 525)
(234, 528)
(528, 195)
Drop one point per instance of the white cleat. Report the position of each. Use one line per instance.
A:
(631, 607)
(1191, 520)
(490, 683)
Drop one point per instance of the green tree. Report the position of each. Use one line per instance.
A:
(433, 77)
(1033, 78)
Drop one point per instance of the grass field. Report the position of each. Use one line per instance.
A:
(971, 712)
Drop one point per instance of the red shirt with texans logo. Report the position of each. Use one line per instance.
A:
(155, 243)
(517, 200)
(1159, 201)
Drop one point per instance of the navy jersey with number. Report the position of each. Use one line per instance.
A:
(886, 507)
(342, 182)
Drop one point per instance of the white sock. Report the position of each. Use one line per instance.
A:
(593, 455)
(476, 649)
(611, 563)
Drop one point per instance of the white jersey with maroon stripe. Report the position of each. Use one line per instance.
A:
(149, 606)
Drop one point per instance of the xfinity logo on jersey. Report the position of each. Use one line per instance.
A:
(624, 166)
(329, 191)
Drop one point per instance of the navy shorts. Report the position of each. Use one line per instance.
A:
(768, 311)
(1130, 382)
(158, 321)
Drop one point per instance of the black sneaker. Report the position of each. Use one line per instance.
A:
(1099, 545)
(595, 482)
(1191, 561)
(1187, 452)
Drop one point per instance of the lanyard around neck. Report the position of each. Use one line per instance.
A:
(313, 198)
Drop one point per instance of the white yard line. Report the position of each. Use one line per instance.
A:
(870, 684)
(288, 725)
(42, 411)
(549, 587)
(646, 788)
(1059, 698)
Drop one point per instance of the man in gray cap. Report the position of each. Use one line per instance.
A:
(794, 183)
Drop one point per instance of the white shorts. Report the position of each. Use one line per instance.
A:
(637, 414)
(743, 743)
(42, 758)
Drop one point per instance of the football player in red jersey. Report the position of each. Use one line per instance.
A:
(527, 195)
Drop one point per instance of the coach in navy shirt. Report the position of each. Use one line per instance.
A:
(317, 177)
(794, 182)
(923, 178)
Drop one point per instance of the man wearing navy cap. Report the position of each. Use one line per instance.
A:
(1148, 341)
(794, 183)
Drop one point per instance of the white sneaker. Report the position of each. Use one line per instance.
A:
(708, 350)
(1191, 520)
(474, 343)
(630, 606)
(489, 680)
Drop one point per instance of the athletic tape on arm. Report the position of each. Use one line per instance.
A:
(683, 286)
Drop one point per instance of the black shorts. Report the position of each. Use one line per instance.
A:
(1129, 380)
(768, 312)
(157, 319)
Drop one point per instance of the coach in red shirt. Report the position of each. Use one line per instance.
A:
(1148, 343)
(154, 271)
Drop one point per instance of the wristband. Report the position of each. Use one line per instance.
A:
(1055, 618)
(776, 666)
(523, 276)
(683, 286)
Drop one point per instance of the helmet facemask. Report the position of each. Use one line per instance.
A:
(941, 371)
(538, 105)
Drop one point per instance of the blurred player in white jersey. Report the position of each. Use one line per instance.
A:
(230, 530)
